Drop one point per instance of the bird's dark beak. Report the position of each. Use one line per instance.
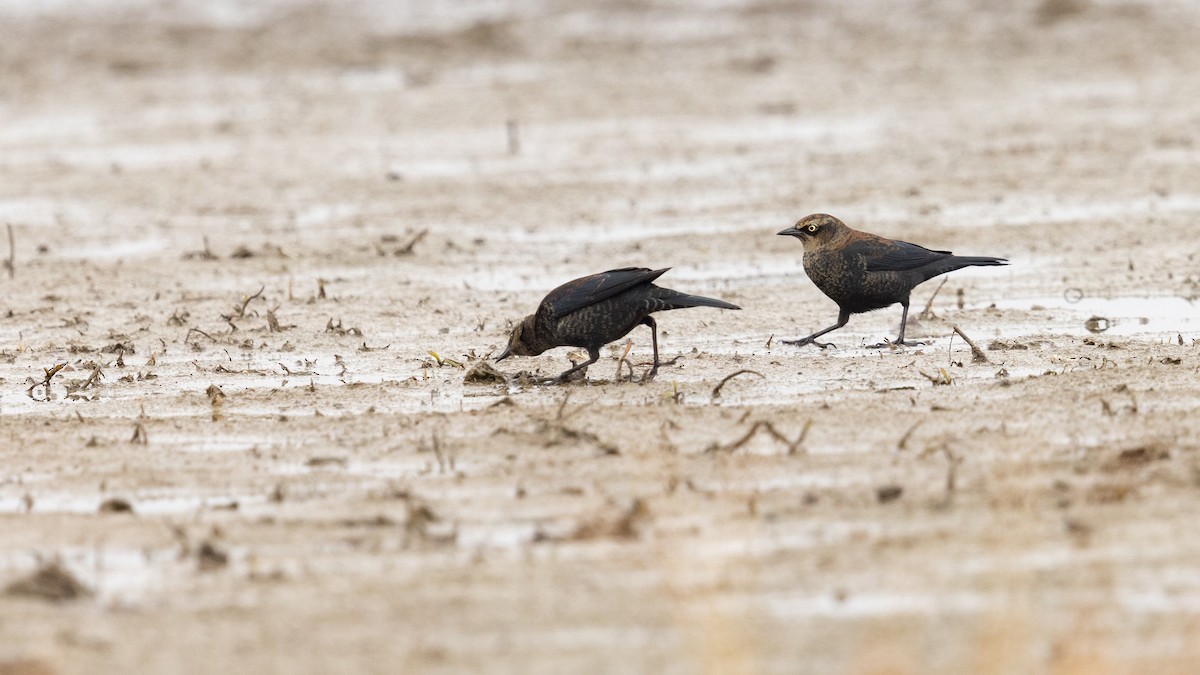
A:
(505, 354)
(790, 232)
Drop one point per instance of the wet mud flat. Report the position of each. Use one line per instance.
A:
(256, 250)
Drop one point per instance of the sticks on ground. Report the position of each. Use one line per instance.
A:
(11, 263)
(139, 429)
(927, 313)
(45, 382)
(977, 355)
(407, 249)
(621, 362)
(793, 447)
(246, 300)
(716, 392)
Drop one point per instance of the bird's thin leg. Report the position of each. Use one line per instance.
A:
(843, 317)
(593, 356)
(649, 321)
(903, 323)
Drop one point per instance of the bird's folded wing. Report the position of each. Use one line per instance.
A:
(589, 290)
(895, 256)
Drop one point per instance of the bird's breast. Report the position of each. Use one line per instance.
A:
(839, 276)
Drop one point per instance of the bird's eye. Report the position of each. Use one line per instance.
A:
(812, 228)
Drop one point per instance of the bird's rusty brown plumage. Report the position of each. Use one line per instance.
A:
(863, 272)
(595, 310)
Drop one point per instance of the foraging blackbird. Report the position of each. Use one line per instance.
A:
(863, 272)
(592, 311)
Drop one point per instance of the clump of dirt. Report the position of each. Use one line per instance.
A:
(484, 373)
(51, 582)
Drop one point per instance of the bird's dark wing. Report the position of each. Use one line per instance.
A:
(589, 290)
(894, 256)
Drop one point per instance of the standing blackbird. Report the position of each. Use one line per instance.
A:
(592, 311)
(862, 272)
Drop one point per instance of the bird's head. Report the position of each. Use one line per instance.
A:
(518, 340)
(816, 230)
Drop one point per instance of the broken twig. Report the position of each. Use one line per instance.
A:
(766, 427)
(977, 354)
(716, 392)
(11, 263)
(927, 313)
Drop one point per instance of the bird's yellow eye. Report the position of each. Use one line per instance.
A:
(812, 228)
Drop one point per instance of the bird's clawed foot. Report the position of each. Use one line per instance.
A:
(800, 342)
(888, 344)
(572, 375)
(653, 372)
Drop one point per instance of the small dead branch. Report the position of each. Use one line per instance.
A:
(941, 377)
(188, 337)
(793, 447)
(977, 355)
(927, 313)
(298, 373)
(139, 429)
(206, 254)
(407, 248)
(445, 459)
(951, 471)
(951, 474)
(1112, 411)
(45, 381)
(178, 318)
(626, 526)
(514, 136)
(92, 380)
(716, 392)
(556, 431)
(562, 407)
(621, 361)
(240, 311)
(340, 329)
(425, 525)
(11, 263)
(216, 399)
(902, 444)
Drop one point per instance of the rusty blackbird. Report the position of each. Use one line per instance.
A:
(594, 310)
(862, 272)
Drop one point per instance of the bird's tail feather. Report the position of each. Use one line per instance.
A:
(681, 300)
(977, 260)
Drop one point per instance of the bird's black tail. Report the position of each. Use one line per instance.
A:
(957, 262)
(977, 260)
(676, 300)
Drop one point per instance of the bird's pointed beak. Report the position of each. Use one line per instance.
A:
(504, 354)
(790, 232)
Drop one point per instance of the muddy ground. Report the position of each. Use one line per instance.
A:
(244, 227)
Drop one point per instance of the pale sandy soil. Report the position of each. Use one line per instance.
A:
(340, 503)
